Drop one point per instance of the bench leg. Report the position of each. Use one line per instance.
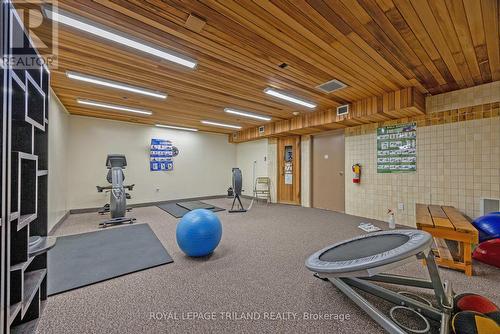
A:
(467, 258)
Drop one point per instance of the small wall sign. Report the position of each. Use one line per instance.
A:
(161, 155)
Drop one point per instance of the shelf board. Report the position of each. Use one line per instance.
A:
(32, 281)
(42, 172)
(14, 310)
(25, 220)
(14, 216)
(25, 328)
(22, 265)
(28, 327)
(24, 155)
(43, 246)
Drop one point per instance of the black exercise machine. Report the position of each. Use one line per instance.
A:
(237, 189)
(117, 206)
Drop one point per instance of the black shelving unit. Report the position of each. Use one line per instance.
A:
(24, 161)
(3, 113)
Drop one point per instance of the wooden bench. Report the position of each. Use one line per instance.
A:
(447, 223)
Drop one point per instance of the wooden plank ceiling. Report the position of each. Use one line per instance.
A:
(374, 46)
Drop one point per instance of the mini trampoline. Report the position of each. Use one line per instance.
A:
(357, 262)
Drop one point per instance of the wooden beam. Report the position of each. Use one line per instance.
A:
(402, 103)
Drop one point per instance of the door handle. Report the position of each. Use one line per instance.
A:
(341, 173)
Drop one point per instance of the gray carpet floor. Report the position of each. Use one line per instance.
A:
(258, 268)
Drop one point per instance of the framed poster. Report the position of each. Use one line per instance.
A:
(161, 155)
(397, 148)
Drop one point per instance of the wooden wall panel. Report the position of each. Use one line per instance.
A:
(406, 102)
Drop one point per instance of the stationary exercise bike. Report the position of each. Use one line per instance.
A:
(117, 206)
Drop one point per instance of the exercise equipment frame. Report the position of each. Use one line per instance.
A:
(364, 279)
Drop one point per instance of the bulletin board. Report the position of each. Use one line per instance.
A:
(161, 155)
(397, 148)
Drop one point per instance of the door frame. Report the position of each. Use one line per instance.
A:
(296, 172)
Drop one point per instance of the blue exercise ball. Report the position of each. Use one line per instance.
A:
(488, 226)
(199, 232)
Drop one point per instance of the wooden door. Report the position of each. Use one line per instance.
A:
(289, 170)
(328, 179)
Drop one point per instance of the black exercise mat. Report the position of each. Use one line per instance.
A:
(193, 205)
(83, 259)
(178, 211)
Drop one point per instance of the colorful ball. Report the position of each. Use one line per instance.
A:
(477, 303)
(470, 322)
(488, 226)
(199, 232)
(488, 252)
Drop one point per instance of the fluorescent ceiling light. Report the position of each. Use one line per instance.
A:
(114, 84)
(175, 127)
(289, 97)
(113, 107)
(102, 31)
(222, 125)
(247, 114)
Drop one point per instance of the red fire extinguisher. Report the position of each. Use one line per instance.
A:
(357, 173)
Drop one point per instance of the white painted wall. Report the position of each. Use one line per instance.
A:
(247, 155)
(202, 168)
(58, 162)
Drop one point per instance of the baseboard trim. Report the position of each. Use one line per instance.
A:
(141, 205)
(59, 223)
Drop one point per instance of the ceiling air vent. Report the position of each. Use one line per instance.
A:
(343, 110)
(331, 86)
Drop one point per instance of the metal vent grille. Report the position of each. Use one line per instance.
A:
(331, 86)
(343, 110)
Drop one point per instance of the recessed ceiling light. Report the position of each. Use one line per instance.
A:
(113, 107)
(114, 84)
(247, 114)
(175, 127)
(237, 127)
(102, 31)
(290, 98)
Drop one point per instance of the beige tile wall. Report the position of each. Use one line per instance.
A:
(458, 163)
(473, 96)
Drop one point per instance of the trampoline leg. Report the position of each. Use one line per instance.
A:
(445, 323)
(371, 310)
(443, 296)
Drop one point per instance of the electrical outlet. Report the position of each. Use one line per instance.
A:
(401, 206)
